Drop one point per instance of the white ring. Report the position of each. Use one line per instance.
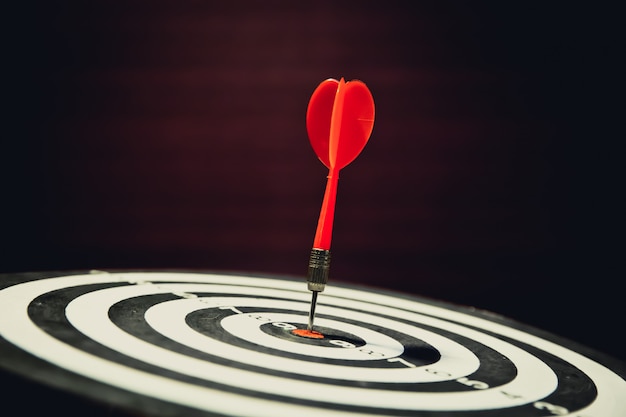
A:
(168, 319)
(89, 314)
(377, 345)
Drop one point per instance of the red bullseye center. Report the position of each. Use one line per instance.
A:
(311, 334)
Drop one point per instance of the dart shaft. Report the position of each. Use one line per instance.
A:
(324, 231)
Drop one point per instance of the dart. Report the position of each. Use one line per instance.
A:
(339, 121)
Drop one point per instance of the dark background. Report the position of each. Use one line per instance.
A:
(171, 135)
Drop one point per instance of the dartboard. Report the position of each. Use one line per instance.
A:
(210, 344)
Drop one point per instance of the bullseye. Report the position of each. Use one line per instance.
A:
(237, 345)
(310, 334)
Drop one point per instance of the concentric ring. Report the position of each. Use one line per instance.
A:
(223, 377)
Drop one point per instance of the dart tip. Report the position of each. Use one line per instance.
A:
(312, 310)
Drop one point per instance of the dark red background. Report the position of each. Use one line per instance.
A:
(172, 135)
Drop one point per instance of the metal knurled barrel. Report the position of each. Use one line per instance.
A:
(319, 267)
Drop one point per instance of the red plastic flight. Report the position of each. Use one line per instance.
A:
(339, 121)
